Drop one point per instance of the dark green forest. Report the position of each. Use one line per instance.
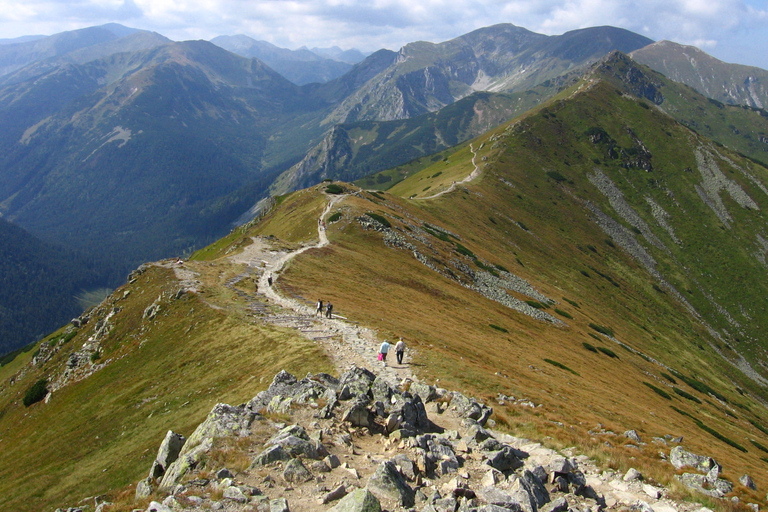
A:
(38, 286)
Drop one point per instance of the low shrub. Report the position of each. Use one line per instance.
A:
(333, 188)
(608, 352)
(669, 377)
(658, 391)
(35, 393)
(463, 250)
(560, 365)
(498, 328)
(572, 303)
(379, 218)
(536, 304)
(759, 446)
(589, 347)
(686, 395)
(602, 329)
(334, 217)
(562, 313)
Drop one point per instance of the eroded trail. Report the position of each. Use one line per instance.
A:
(346, 342)
(474, 174)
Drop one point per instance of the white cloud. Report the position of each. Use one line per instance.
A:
(721, 25)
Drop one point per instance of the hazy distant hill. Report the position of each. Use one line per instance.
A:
(299, 66)
(352, 56)
(728, 83)
(76, 46)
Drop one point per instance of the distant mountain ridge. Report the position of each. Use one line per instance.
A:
(77, 46)
(729, 83)
(299, 66)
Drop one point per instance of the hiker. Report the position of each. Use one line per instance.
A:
(383, 349)
(269, 280)
(400, 350)
(328, 310)
(319, 310)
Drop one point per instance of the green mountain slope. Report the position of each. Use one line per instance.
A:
(603, 260)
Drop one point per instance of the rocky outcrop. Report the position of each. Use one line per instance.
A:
(449, 461)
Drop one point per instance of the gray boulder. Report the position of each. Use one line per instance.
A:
(361, 500)
(235, 494)
(286, 389)
(295, 472)
(223, 421)
(358, 415)
(279, 505)
(470, 408)
(632, 435)
(747, 481)
(380, 390)
(424, 391)
(295, 441)
(680, 458)
(529, 492)
(143, 488)
(167, 454)
(494, 496)
(504, 459)
(355, 382)
(270, 455)
(388, 483)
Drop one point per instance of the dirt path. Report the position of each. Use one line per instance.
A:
(474, 174)
(346, 342)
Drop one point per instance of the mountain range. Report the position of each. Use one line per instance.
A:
(592, 266)
(127, 147)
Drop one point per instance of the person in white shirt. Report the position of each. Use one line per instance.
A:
(400, 350)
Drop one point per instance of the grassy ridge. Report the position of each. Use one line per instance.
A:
(103, 432)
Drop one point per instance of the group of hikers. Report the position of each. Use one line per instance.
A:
(324, 309)
(399, 351)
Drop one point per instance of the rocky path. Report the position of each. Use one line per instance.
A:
(474, 174)
(346, 342)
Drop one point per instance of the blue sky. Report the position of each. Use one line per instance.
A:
(731, 30)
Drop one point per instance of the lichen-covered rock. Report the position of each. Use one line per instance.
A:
(143, 488)
(388, 483)
(423, 391)
(271, 454)
(223, 421)
(295, 441)
(470, 408)
(295, 472)
(358, 415)
(680, 458)
(167, 454)
(361, 500)
(747, 481)
(504, 460)
(355, 382)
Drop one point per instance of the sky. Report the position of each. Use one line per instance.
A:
(731, 30)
